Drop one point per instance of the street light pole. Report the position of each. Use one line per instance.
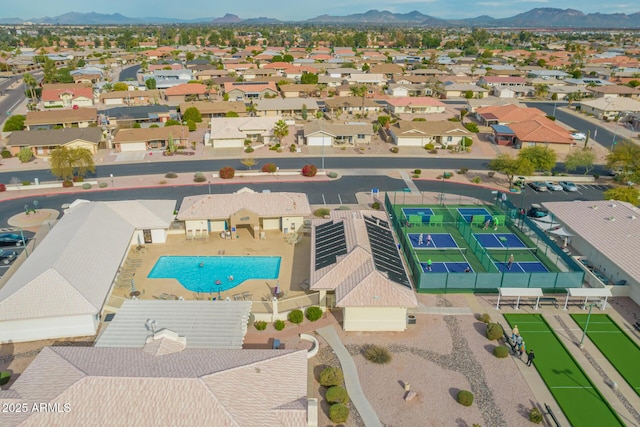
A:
(24, 244)
(615, 133)
(586, 325)
(209, 182)
(442, 189)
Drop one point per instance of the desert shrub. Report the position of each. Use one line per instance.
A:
(429, 146)
(171, 175)
(494, 331)
(337, 394)
(269, 168)
(296, 316)
(476, 180)
(338, 413)
(375, 205)
(260, 325)
(309, 170)
(78, 179)
(227, 172)
(102, 184)
(331, 376)
(395, 150)
(278, 325)
(199, 177)
(292, 148)
(3, 188)
(343, 208)
(5, 154)
(501, 352)
(66, 183)
(535, 416)
(162, 182)
(472, 127)
(249, 149)
(313, 313)
(332, 174)
(467, 142)
(86, 186)
(485, 318)
(462, 171)
(491, 174)
(25, 155)
(5, 376)
(596, 176)
(26, 182)
(321, 212)
(465, 398)
(377, 354)
(417, 171)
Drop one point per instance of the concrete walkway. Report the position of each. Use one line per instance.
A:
(409, 182)
(445, 311)
(351, 379)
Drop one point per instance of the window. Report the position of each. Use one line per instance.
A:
(449, 138)
(360, 136)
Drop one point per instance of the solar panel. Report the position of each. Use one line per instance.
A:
(330, 243)
(384, 251)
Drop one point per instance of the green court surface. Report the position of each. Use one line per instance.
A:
(579, 399)
(621, 351)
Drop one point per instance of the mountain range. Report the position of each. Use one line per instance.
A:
(535, 18)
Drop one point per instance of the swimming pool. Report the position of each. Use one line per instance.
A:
(213, 273)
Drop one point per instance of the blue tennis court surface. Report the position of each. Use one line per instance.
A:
(499, 240)
(446, 267)
(468, 213)
(522, 267)
(424, 213)
(431, 241)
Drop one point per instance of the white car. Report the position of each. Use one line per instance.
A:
(553, 186)
(568, 186)
(578, 136)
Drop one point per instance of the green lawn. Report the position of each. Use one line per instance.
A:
(579, 399)
(623, 353)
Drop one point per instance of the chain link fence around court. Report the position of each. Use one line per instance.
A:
(524, 257)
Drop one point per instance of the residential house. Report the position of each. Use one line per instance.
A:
(614, 91)
(362, 78)
(441, 133)
(131, 97)
(144, 114)
(66, 95)
(298, 90)
(43, 142)
(539, 131)
(473, 104)
(408, 89)
(415, 105)
(509, 92)
(459, 90)
(186, 92)
(247, 91)
(356, 267)
(168, 78)
(143, 139)
(320, 133)
(609, 108)
(232, 132)
(351, 105)
(501, 81)
(505, 114)
(288, 107)
(51, 119)
(211, 109)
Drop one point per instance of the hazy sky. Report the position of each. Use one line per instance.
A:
(292, 10)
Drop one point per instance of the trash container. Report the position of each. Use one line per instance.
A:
(276, 344)
(411, 319)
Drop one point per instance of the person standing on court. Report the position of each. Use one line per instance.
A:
(510, 262)
(530, 357)
(495, 224)
(428, 239)
(429, 264)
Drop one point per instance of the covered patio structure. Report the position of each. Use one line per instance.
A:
(519, 292)
(588, 293)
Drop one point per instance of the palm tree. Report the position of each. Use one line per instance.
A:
(542, 91)
(31, 83)
(280, 130)
(359, 90)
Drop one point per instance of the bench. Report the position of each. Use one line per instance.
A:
(637, 326)
(551, 414)
(549, 300)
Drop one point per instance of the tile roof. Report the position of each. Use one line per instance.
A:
(151, 134)
(116, 386)
(53, 137)
(250, 87)
(186, 89)
(354, 277)
(618, 239)
(509, 113)
(219, 206)
(76, 91)
(541, 129)
(61, 116)
(415, 100)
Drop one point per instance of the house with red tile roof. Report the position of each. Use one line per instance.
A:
(186, 92)
(505, 114)
(238, 91)
(67, 95)
(544, 132)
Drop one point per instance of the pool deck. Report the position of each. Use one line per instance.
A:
(294, 265)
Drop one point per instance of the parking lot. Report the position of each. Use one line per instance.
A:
(18, 249)
(584, 192)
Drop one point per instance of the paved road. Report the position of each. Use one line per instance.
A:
(129, 73)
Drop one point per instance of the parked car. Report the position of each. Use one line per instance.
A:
(553, 186)
(10, 239)
(7, 257)
(578, 136)
(537, 211)
(568, 186)
(538, 186)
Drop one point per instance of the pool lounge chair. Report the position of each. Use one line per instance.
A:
(247, 296)
(238, 297)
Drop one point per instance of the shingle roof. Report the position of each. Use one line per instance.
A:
(415, 100)
(263, 204)
(429, 128)
(150, 134)
(618, 239)
(61, 116)
(116, 386)
(53, 137)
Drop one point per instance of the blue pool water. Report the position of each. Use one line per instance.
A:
(211, 273)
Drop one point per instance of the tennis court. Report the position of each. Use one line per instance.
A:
(469, 213)
(579, 399)
(432, 241)
(621, 351)
(499, 240)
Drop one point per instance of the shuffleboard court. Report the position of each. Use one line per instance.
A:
(621, 351)
(577, 396)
